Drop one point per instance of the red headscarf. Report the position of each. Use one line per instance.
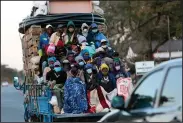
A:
(60, 43)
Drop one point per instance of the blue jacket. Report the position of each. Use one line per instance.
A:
(43, 41)
(75, 96)
(96, 38)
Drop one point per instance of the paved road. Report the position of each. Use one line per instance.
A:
(12, 109)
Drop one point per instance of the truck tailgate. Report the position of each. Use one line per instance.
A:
(87, 117)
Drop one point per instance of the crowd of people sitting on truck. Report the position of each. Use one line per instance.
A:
(80, 67)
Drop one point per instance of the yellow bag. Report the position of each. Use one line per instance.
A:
(40, 52)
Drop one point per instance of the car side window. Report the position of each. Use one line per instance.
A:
(172, 89)
(145, 94)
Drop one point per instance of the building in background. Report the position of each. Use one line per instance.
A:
(162, 53)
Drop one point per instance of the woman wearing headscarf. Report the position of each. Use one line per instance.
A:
(71, 36)
(95, 36)
(75, 98)
(51, 62)
(80, 61)
(86, 56)
(84, 30)
(106, 79)
(97, 98)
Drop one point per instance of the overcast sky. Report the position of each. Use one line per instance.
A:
(12, 13)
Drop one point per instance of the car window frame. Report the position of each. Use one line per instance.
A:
(164, 81)
(139, 84)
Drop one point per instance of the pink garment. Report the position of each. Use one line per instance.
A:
(51, 48)
(124, 87)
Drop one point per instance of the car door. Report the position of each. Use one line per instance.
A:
(144, 97)
(170, 100)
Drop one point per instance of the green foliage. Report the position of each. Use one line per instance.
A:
(148, 20)
(7, 73)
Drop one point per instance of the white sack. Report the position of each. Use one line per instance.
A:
(35, 60)
(53, 101)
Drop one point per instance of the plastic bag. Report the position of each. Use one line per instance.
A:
(98, 10)
(35, 60)
(96, 2)
(54, 101)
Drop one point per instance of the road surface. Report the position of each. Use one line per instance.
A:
(12, 109)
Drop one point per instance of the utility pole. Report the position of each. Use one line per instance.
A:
(169, 37)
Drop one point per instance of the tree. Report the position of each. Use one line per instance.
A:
(7, 73)
(137, 24)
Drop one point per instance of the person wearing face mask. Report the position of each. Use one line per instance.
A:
(75, 97)
(106, 79)
(44, 40)
(58, 35)
(119, 71)
(104, 46)
(85, 54)
(51, 62)
(80, 61)
(84, 30)
(95, 36)
(59, 76)
(70, 57)
(71, 36)
(90, 77)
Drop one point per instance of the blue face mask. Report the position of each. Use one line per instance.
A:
(51, 66)
(89, 71)
(81, 63)
(86, 57)
(94, 30)
(57, 69)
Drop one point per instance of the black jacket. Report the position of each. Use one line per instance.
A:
(59, 77)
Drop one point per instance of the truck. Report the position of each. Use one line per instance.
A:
(36, 103)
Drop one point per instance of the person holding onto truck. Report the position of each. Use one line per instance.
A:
(95, 36)
(71, 35)
(58, 35)
(51, 62)
(75, 97)
(60, 76)
(44, 40)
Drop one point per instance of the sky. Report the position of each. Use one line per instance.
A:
(12, 13)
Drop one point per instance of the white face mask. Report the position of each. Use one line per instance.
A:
(104, 46)
(117, 67)
(85, 30)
